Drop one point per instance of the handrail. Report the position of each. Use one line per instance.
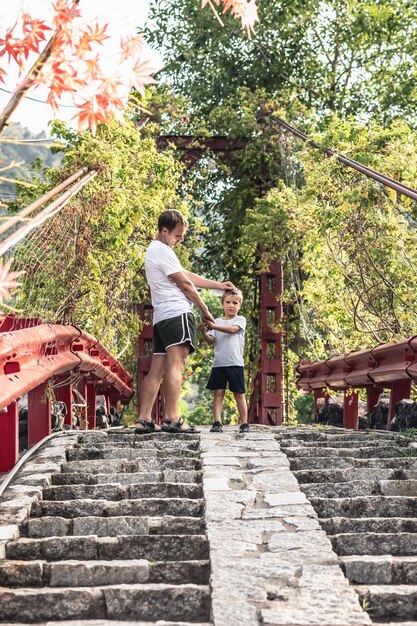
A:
(30, 356)
(384, 364)
(9, 477)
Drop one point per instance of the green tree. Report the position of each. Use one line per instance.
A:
(85, 266)
(353, 56)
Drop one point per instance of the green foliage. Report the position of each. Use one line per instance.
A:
(97, 280)
(303, 405)
(353, 56)
(23, 154)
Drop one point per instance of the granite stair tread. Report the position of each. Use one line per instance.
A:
(143, 601)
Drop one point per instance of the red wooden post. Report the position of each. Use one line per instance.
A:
(91, 405)
(9, 437)
(39, 414)
(63, 393)
(400, 390)
(271, 409)
(350, 409)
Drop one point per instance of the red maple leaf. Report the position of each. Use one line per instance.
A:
(65, 11)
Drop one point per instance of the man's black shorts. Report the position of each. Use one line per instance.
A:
(174, 331)
(232, 374)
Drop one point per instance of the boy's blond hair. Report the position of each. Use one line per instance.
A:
(232, 292)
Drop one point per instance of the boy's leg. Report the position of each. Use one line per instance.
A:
(218, 399)
(242, 407)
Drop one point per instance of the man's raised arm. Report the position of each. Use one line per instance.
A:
(206, 283)
(188, 288)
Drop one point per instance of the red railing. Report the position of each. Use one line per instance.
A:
(390, 366)
(33, 353)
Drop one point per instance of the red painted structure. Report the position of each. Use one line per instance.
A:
(266, 401)
(391, 366)
(33, 353)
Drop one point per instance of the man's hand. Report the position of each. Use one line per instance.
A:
(228, 286)
(207, 317)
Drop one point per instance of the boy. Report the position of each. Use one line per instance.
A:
(227, 334)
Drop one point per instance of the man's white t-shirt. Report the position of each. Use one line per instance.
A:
(228, 347)
(167, 299)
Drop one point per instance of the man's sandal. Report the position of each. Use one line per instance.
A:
(244, 428)
(176, 427)
(148, 427)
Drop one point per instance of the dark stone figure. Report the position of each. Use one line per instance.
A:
(378, 416)
(405, 415)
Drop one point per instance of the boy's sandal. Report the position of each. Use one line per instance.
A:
(176, 427)
(217, 427)
(148, 427)
(244, 428)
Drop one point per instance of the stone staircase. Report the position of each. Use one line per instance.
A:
(363, 486)
(118, 536)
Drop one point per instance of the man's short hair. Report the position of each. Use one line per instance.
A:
(232, 292)
(171, 219)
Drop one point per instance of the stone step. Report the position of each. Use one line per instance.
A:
(160, 445)
(334, 435)
(352, 489)
(121, 492)
(384, 506)
(323, 462)
(108, 622)
(359, 473)
(380, 570)
(389, 602)
(403, 544)
(189, 507)
(150, 547)
(169, 475)
(113, 466)
(135, 602)
(124, 492)
(112, 526)
(74, 573)
(93, 454)
(342, 443)
(340, 525)
(357, 488)
(354, 452)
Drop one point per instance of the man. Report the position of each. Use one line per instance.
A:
(173, 293)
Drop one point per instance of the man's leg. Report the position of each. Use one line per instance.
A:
(151, 384)
(175, 361)
(218, 399)
(242, 407)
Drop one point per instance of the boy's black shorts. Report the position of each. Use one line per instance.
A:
(232, 374)
(174, 331)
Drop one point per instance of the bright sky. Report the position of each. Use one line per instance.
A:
(123, 17)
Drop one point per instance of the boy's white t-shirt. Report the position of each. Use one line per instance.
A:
(228, 348)
(167, 299)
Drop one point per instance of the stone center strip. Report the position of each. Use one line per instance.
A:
(271, 562)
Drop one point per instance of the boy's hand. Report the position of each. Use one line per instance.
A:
(210, 324)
